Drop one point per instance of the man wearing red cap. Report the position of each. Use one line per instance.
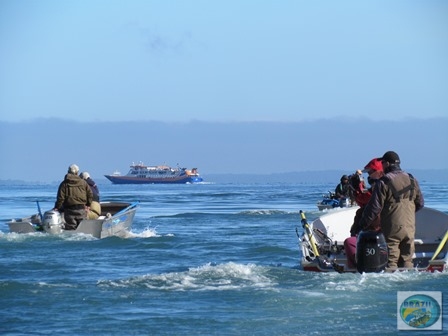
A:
(395, 199)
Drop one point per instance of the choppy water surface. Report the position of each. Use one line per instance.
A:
(206, 259)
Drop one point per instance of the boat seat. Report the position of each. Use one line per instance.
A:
(428, 255)
(418, 241)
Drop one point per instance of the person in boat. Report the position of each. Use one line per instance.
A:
(73, 198)
(396, 198)
(374, 169)
(356, 183)
(95, 207)
(342, 190)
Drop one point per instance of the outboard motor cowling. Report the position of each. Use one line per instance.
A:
(371, 252)
(52, 222)
(343, 203)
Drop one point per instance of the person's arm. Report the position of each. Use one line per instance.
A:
(372, 211)
(419, 201)
(89, 194)
(60, 197)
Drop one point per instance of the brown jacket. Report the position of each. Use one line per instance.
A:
(395, 199)
(73, 191)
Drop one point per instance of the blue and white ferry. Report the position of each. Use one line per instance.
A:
(142, 174)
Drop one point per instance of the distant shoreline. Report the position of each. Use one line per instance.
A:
(329, 176)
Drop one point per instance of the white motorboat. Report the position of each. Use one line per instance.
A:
(322, 241)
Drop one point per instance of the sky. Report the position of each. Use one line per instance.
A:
(228, 86)
(222, 61)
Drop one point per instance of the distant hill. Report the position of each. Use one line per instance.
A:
(42, 150)
(328, 176)
(422, 175)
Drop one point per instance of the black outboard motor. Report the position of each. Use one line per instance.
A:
(371, 252)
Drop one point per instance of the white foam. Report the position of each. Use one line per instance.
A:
(19, 237)
(355, 282)
(228, 276)
(147, 233)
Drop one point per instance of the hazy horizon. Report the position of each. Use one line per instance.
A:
(42, 150)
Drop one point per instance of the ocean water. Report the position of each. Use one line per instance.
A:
(205, 259)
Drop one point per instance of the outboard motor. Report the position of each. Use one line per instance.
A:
(343, 203)
(371, 252)
(52, 222)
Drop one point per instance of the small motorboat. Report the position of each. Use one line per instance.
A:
(115, 220)
(322, 241)
(330, 202)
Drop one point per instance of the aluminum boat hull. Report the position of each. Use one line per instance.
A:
(116, 220)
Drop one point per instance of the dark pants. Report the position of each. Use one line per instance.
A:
(73, 217)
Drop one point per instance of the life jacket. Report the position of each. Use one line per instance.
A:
(398, 194)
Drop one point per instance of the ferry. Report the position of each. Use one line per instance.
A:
(142, 174)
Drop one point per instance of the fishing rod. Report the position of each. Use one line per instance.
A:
(40, 212)
(309, 233)
(322, 262)
(440, 247)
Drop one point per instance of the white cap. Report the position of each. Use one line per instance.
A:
(85, 175)
(73, 169)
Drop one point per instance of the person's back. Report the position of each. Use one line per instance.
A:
(73, 196)
(73, 191)
(398, 207)
(95, 208)
(395, 198)
(95, 190)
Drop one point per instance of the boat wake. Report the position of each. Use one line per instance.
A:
(22, 237)
(228, 276)
(263, 212)
(147, 233)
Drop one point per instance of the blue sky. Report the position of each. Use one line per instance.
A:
(246, 86)
(221, 61)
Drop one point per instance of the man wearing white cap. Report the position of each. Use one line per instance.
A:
(95, 206)
(74, 198)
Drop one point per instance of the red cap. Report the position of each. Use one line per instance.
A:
(373, 165)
